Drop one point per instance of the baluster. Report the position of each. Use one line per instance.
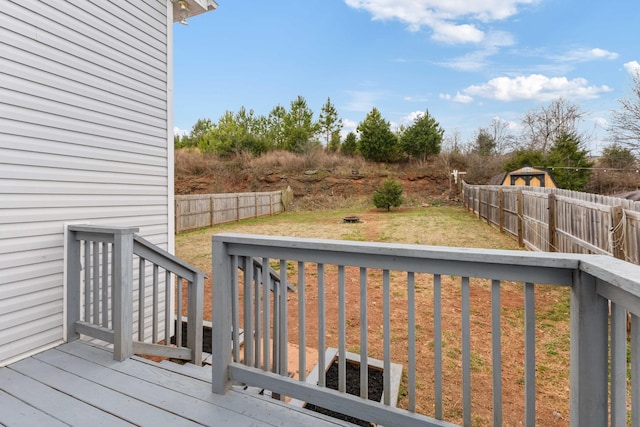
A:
(87, 281)
(364, 360)
(266, 313)
(168, 313)
(466, 352)
(386, 332)
(235, 320)
(284, 332)
(257, 316)
(96, 283)
(247, 263)
(496, 352)
(141, 285)
(342, 333)
(105, 284)
(275, 342)
(437, 344)
(179, 309)
(529, 354)
(411, 345)
(321, 328)
(154, 323)
(302, 324)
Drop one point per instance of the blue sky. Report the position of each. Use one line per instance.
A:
(466, 61)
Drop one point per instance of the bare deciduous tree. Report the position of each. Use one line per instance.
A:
(542, 126)
(625, 122)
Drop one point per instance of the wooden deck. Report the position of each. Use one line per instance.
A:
(80, 384)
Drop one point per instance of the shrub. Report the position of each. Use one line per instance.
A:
(390, 194)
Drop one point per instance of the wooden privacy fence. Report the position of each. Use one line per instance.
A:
(206, 210)
(556, 220)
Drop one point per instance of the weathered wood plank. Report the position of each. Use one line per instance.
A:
(249, 406)
(96, 394)
(39, 404)
(183, 406)
(15, 412)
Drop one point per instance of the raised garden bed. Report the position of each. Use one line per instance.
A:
(375, 382)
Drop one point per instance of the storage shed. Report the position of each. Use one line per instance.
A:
(526, 176)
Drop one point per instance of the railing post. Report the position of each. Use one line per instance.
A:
(221, 333)
(73, 284)
(123, 293)
(589, 350)
(194, 321)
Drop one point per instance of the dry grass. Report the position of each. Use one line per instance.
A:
(448, 226)
(190, 162)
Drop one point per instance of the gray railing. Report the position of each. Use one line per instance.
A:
(113, 295)
(600, 388)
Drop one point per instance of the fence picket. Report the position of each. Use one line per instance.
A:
(556, 220)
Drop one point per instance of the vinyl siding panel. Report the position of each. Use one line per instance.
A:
(83, 139)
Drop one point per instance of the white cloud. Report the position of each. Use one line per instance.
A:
(536, 87)
(601, 121)
(584, 55)
(361, 101)
(449, 20)
(418, 98)
(411, 117)
(458, 97)
(479, 59)
(178, 131)
(632, 67)
(348, 126)
(451, 33)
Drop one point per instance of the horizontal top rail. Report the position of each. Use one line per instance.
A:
(482, 263)
(156, 255)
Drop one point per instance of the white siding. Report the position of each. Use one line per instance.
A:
(83, 138)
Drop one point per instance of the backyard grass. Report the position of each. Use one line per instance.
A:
(441, 226)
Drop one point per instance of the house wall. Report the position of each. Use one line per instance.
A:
(84, 138)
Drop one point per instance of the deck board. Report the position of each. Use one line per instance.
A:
(15, 412)
(49, 400)
(80, 384)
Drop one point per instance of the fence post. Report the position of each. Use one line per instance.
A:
(489, 207)
(551, 203)
(123, 294)
(501, 210)
(520, 210)
(617, 231)
(479, 203)
(238, 207)
(255, 198)
(589, 350)
(212, 207)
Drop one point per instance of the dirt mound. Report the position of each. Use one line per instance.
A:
(319, 183)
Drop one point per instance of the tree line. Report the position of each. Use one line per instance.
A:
(548, 136)
(295, 129)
